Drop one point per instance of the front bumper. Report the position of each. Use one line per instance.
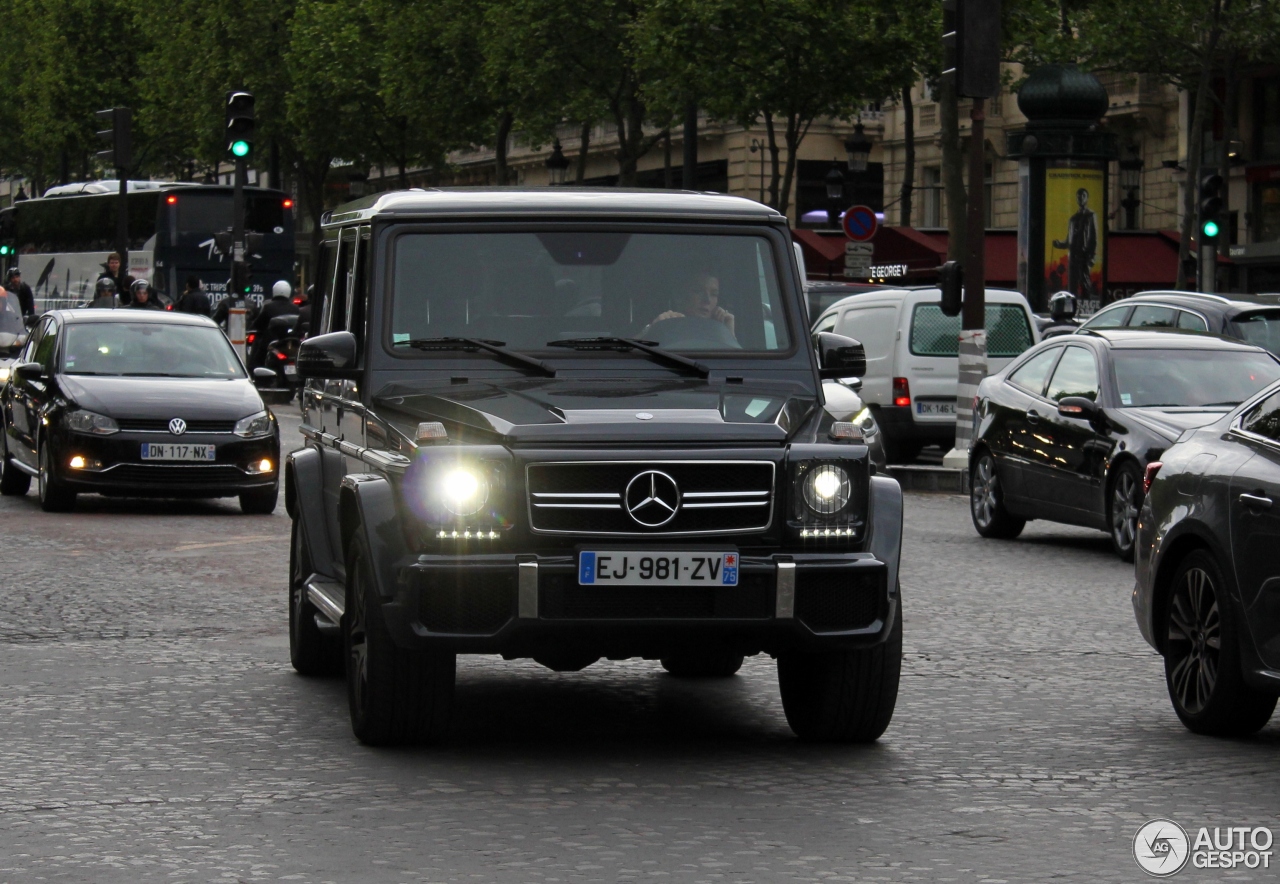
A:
(115, 465)
(528, 605)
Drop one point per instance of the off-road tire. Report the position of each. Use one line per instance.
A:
(261, 502)
(396, 696)
(1206, 683)
(703, 664)
(845, 696)
(986, 501)
(310, 651)
(54, 496)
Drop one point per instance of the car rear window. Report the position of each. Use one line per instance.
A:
(935, 334)
(1261, 328)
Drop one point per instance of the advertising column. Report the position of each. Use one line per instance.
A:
(1075, 231)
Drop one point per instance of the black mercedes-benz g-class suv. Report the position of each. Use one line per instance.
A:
(572, 424)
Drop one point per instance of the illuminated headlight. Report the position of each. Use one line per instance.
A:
(88, 422)
(826, 489)
(866, 421)
(261, 466)
(254, 425)
(464, 491)
(4, 373)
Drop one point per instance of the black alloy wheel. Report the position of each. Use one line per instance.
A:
(1123, 505)
(1202, 658)
(396, 696)
(13, 481)
(310, 651)
(54, 497)
(986, 501)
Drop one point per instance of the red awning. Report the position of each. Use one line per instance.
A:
(1001, 256)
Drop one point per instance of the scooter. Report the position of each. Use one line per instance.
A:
(282, 355)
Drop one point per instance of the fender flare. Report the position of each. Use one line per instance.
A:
(304, 501)
(885, 514)
(367, 504)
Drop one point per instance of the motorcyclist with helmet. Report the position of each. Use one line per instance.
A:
(281, 304)
(1062, 309)
(104, 293)
(142, 298)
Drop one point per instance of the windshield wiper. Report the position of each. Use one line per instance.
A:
(649, 348)
(471, 345)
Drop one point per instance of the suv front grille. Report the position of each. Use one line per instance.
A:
(684, 497)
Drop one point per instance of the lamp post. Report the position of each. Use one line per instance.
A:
(1130, 185)
(758, 146)
(858, 148)
(834, 180)
(557, 164)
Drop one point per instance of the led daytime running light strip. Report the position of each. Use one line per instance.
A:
(467, 535)
(809, 533)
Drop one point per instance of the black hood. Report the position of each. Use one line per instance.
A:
(548, 411)
(1169, 421)
(189, 398)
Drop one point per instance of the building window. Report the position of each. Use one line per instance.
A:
(997, 105)
(1266, 211)
(1266, 115)
(928, 115)
(931, 196)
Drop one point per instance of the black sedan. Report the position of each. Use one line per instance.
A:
(135, 403)
(1065, 432)
(1207, 595)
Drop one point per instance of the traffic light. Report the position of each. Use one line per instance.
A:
(119, 136)
(240, 123)
(971, 42)
(6, 251)
(951, 281)
(241, 281)
(1210, 207)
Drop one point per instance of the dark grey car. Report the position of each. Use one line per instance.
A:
(1208, 578)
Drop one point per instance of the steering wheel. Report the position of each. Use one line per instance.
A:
(692, 333)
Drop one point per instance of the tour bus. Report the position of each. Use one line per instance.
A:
(62, 239)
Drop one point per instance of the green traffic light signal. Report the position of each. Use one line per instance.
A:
(240, 148)
(6, 250)
(1210, 229)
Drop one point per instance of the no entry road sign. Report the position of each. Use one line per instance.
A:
(859, 223)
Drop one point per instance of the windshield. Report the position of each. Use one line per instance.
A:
(10, 315)
(1262, 329)
(147, 349)
(691, 292)
(1190, 378)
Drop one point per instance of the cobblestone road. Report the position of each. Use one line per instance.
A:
(151, 729)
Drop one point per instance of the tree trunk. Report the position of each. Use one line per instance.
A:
(909, 162)
(793, 137)
(1195, 138)
(667, 180)
(952, 168)
(775, 172)
(584, 142)
(500, 148)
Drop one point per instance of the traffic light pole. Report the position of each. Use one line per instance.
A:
(236, 312)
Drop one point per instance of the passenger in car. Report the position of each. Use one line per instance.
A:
(700, 300)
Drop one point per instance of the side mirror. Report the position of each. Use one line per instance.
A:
(29, 371)
(328, 356)
(1078, 406)
(839, 357)
(263, 375)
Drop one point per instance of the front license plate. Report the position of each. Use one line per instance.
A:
(637, 568)
(174, 451)
(291, 370)
(948, 408)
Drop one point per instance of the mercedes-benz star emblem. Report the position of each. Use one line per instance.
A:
(652, 498)
(177, 426)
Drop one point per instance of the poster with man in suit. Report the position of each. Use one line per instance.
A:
(1074, 234)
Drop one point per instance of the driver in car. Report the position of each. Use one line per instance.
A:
(700, 300)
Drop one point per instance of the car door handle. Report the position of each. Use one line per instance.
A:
(1033, 416)
(1254, 501)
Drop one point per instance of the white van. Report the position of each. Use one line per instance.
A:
(912, 366)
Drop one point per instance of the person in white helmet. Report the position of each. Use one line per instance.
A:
(281, 304)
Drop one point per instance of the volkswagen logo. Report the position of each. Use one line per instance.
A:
(177, 426)
(652, 498)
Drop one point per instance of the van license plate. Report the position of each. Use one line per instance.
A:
(938, 408)
(172, 451)
(641, 568)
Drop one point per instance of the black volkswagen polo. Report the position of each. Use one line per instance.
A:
(1066, 432)
(135, 403)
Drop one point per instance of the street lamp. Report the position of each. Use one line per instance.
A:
(1131, 185)
(858, 148)
(834, 180)
(557, 164)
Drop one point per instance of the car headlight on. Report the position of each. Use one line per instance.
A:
(88, 422)
(4, 373)
(464, 491)
(826, 489)
(866, 421)
(254, 425)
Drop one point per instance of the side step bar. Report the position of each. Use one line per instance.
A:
(329, 597)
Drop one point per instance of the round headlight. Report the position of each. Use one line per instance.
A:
(826, 489)
(464, 492)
